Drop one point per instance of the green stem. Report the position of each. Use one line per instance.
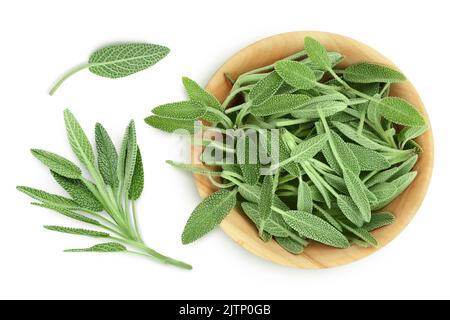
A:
(233, 94)
(225, 120)
(136, 226)
(237, 108)
(67, 75)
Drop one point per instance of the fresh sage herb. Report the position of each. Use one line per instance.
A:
(343, 149)
(119, 60)
(108, 200)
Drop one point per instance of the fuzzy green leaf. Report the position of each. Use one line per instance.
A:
(131, 155)
(76, 231)
(107, 156)
(404, 168)
(191, 168)
(328, 108)
(296, 74)
(360, 139)
(381, 177)
(304, 197)
(317, 53)
(208, 214)
(200, 95)
(366, 72)
(78, 140)
(103, 247)
(344, 153)
(68, 213)
(362, 234)
(290, 245)
(369, 159)
(357, 192)
(379, 220)
(315, 228)
(265, 88)
(137, 181)
(250, 171)
(266, 197)
(350, 210)
(57, 163)
(121, 60)
(307, 149)
(270, 225)
(171, 125)
(410, 133)
(79, 192)
(48, 197)
(279, 104)
(183, 110)
(400, 111)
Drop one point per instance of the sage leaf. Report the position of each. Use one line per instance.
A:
(315, 228)
(78, 140)
(120, 60)
(369, 159)
(317, 53)
(379, 220)
(250, 171)
(183, 110)
(137, 180)
(404, 168)
(131, 155)
(191, 168)
(208, 214)
(328, 108)
(171, 125)
(400, 111)
(265, 88)
(106, 156)
(57, 163)
(410, 133)
(266, 198)
(304, 197)
(356, 189)
(290, 245)
(79, 192)
(307, 149)
(68, 213)
(362, 234)
(48, 197)
(350, 210)
(360, 139)
(103, 247)
(198, 94)
(382, 176)
(270, 226)
(296, 74)
(76, 231)
(342, 152)
(366, 72)
(279, 104)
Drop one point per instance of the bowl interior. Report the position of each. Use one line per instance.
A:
(238, 227)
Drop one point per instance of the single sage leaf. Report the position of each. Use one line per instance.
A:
(198, 94)
(360, 139)
(171, 125)
(404, 168)
(307, 149)
(119, 60)
(362, 234)
(266, 198)
(379, 220)
(290, 245)
(315, 228)
(328, 108)
(78, 140)
(197, 170)
(304, 197)
(103, 247)
(265, 88)
(76, 231)
(296, 74)
(106, 156)
(356, 189)
(131, 155)
(57, 163)
(137, 181)
(48, 197)
(183, 110)
(317, 53)
(270, 226)
(400, 111)
(366, 72)
(350, 210)
(68, 213)
(208, 214)
(369, 159)
(410, 133)
(79, 192)
(279, 104)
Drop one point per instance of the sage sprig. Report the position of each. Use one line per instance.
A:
(106, 199)
(119, 60)
(344, 150)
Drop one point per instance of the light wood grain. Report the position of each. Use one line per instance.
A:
(241, 230)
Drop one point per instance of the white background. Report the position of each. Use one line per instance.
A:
(42, 39)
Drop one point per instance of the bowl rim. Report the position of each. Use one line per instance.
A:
(316, 255)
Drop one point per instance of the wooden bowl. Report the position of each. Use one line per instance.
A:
(238, 227)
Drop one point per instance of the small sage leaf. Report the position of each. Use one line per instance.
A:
(369, 159)
(356, 189)
(410, 133)
(184, 110)
(171, 125)
(296, 74)
(279, 104)
(106, 156)
(208, 214)
(68, 213)
(48, 197)
(290, 245)
(365, 72)
(379, 220)
(265, 88)
(137, 181)
(76, 231)
(57, 163)
(307, 149)
(400, 111)
(317, 53)
(103, 247)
